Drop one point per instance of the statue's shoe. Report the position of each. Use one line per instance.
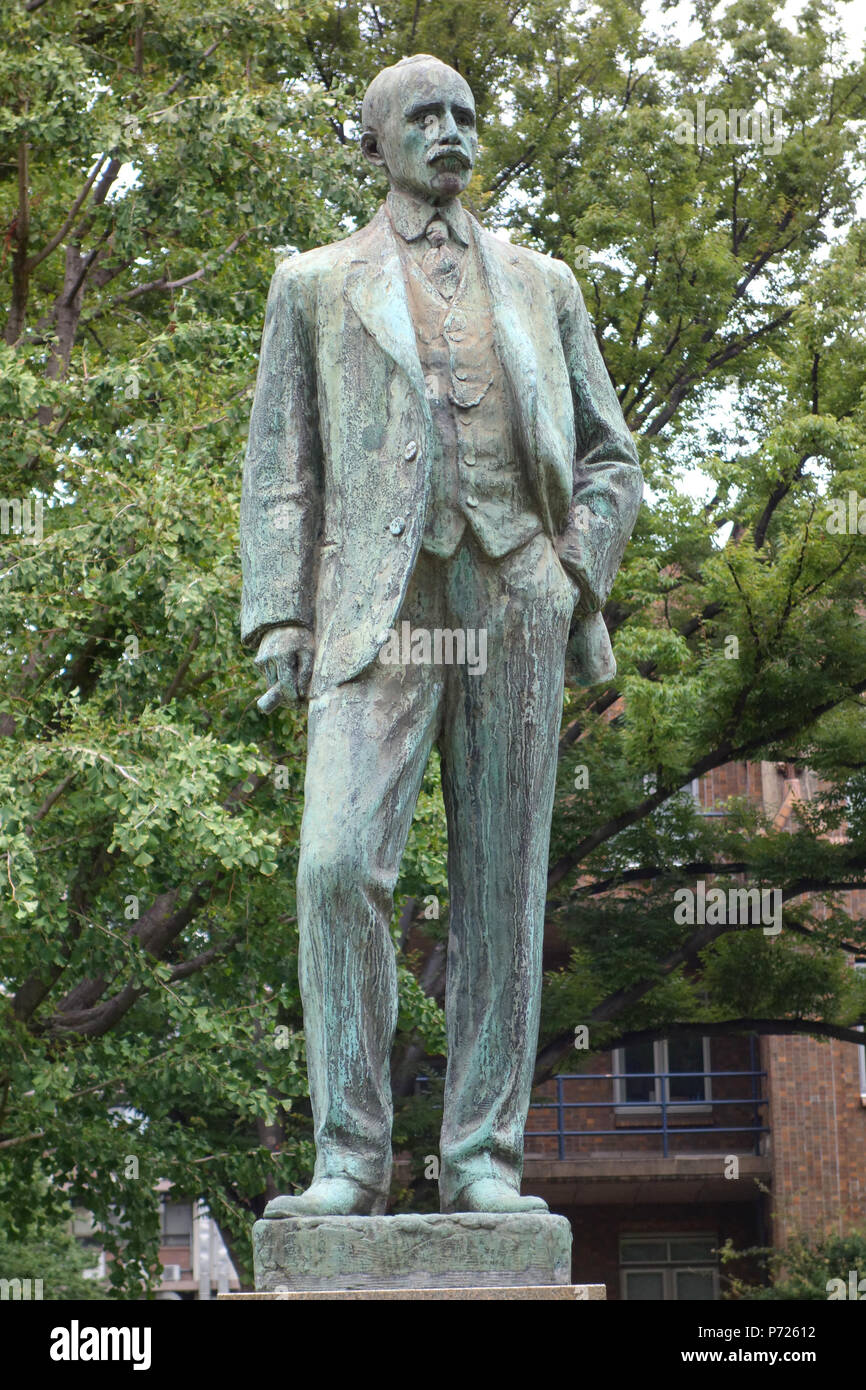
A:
(329, 1197)
(491, 1195)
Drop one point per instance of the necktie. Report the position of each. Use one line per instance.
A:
(440, 263)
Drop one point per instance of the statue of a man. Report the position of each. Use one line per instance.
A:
(435, 448)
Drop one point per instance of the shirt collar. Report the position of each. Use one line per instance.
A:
(410, 216)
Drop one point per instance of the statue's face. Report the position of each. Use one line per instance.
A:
(427, 141)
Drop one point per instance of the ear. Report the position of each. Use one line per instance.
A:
(370, 149)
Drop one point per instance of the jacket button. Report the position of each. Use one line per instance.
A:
(397, 527)
(472, 501)
(410, 451)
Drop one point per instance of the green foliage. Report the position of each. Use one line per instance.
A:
(149, 816)
(804, 1270)
(55, 1258)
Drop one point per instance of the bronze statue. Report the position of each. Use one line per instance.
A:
(434, 441)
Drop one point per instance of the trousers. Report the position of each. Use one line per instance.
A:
(369, 741)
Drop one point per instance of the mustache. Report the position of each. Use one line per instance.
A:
(451, 152)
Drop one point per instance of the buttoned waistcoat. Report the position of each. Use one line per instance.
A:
(337, 476)
(477, 476)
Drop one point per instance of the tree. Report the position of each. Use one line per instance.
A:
(154, 158)
(805, 1270)
(56, 1260)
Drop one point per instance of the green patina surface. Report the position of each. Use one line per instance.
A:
(387, 1252)
(434, 441)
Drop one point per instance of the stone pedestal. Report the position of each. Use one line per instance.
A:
(558, 1293)
(336, 1255)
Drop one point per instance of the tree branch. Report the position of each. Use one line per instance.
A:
(726, 752)
(169, 694)
(55, 241)
(20, 271)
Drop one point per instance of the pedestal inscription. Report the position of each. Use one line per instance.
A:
(462, 1250)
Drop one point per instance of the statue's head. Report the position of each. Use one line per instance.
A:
(418, 123)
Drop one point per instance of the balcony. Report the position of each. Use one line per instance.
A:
(654, 1136)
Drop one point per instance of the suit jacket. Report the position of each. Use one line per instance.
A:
(337, 475)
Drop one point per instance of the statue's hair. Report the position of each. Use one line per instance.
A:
(381, 89)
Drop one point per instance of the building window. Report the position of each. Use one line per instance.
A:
(669, 1268)
(177, 1225)
(645, 1078)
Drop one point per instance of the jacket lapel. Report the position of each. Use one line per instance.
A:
(377, 293)
(519, 358)
(515, 344)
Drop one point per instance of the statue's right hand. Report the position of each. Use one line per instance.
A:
(285, 657)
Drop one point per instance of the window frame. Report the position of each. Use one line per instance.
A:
(175, 1240)
(660, 1064)
(668, 1268)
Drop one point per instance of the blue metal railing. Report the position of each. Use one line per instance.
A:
(663, 1105)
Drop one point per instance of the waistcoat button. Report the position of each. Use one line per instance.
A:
(397, 527)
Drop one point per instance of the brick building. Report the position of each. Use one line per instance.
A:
(659, 1154)
(195, 1261)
